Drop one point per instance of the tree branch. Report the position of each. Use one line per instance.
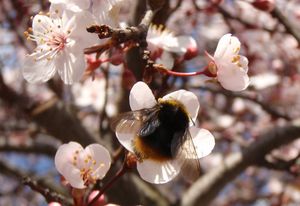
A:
(285, 22)
(253, 98)
(207, 187)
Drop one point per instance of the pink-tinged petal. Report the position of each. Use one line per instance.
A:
(232, 77)
(70, 65)
(244, 62)
(141, 97)
(65, 154)
(203, 140)
(102, 158)
(37, 71)
(222, 46)
(73, 176)
(180, 44)
(158, 172)
(188, 99)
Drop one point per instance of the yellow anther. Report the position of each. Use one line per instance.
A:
(94, 162)
(235, 59)
(86, 160)
(236, 50)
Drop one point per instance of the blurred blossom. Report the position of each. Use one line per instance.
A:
(81, 167)
(54, 204)
(275, 186)
(90, 92)
(161, 38)
(262, 81)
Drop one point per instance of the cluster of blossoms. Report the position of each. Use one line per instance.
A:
(61, 37)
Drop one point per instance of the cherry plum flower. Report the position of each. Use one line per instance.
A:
(60, 42)
(164, 39)
(232, 68)
(162, 171)
(81, 167)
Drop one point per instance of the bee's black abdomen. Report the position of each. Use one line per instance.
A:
(166, 128)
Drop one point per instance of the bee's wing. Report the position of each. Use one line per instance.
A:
(187, 156)
(130, 122)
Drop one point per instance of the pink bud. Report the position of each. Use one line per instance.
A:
(264, 5)
(54, 204)
(191, 53)
(101, 199)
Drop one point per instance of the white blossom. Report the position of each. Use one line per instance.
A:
(60, 42)
(232, 68)
(159, 172)
(159, 38)
(81, 167)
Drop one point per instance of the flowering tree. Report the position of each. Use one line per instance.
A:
(116, 101)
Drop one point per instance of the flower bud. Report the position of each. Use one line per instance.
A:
(264, 5)
(191, 53)
(100, 201)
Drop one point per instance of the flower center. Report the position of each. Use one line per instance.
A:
(88, 167)
(236, 60)
(49, 36)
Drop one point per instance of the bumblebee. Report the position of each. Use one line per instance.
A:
(161, 133)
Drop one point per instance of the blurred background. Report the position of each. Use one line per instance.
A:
(255, 125)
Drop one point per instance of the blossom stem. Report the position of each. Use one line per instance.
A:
(119, 174)
(204, 71)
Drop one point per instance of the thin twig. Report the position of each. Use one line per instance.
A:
(49, 195)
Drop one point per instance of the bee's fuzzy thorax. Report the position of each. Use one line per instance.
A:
(160, 138)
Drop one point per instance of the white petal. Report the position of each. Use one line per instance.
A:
(222, 46)
(72, 175)
(158, 172)
(232, 77)
(102, 158)
(77, 27)
(70, 65)
(141, 97)
(126, 131)
(233, 47)
(166, 59)
(188, 99)
(203, 140)
(38, 71)
(65, 155)
(179, 44)
(41, 24)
